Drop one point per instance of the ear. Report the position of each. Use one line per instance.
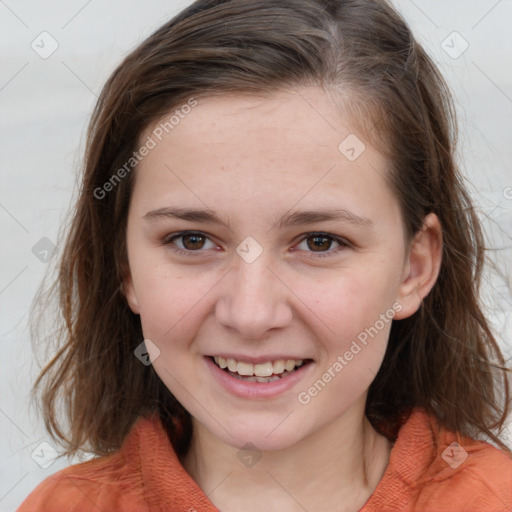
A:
(422, 266)
(128, 291)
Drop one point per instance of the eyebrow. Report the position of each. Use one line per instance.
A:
(297, 218)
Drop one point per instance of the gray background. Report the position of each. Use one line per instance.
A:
(46, 104)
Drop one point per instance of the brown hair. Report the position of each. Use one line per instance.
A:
(443, 358)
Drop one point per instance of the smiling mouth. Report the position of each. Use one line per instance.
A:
(262, 372)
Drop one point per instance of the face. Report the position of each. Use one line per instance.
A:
(256, 283)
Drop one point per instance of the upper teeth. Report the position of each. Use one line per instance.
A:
(261, 369)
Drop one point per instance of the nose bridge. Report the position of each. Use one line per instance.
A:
(253, 299)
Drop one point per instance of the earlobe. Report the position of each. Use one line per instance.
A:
(128, 291)
(422, 266)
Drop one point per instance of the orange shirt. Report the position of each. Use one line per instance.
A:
(424, 474)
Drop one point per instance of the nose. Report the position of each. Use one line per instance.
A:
(253, 299)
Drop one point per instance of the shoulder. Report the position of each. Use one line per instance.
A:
(475, 476)
(459, 472)
(111, 482)
(145, 474)
(431, 468)
(101, 483)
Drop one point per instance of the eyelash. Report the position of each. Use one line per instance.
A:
(343, 243)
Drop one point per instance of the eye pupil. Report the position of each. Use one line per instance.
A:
(194, 239)
(319, 245)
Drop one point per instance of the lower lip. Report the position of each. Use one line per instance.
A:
(245, 389)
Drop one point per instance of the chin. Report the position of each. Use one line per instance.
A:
(265, 437)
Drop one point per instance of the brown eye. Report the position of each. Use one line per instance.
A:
(190, 242)
(319, 243)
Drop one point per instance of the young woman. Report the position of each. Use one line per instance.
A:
(269, 289)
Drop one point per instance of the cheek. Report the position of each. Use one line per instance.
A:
(358, 313)
(346, 377)
(157, 292)
(172, 305)
(351, 301)
(357, 309)
(165, 306)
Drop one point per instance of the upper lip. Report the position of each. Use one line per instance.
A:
(258, 359)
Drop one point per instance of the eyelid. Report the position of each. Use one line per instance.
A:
(167, 240)
(343, 243)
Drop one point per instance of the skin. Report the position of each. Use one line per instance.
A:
(251, 160)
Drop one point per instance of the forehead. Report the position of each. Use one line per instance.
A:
(242, 124)
(295, 145)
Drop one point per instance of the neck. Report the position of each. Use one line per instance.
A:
(339, 467)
